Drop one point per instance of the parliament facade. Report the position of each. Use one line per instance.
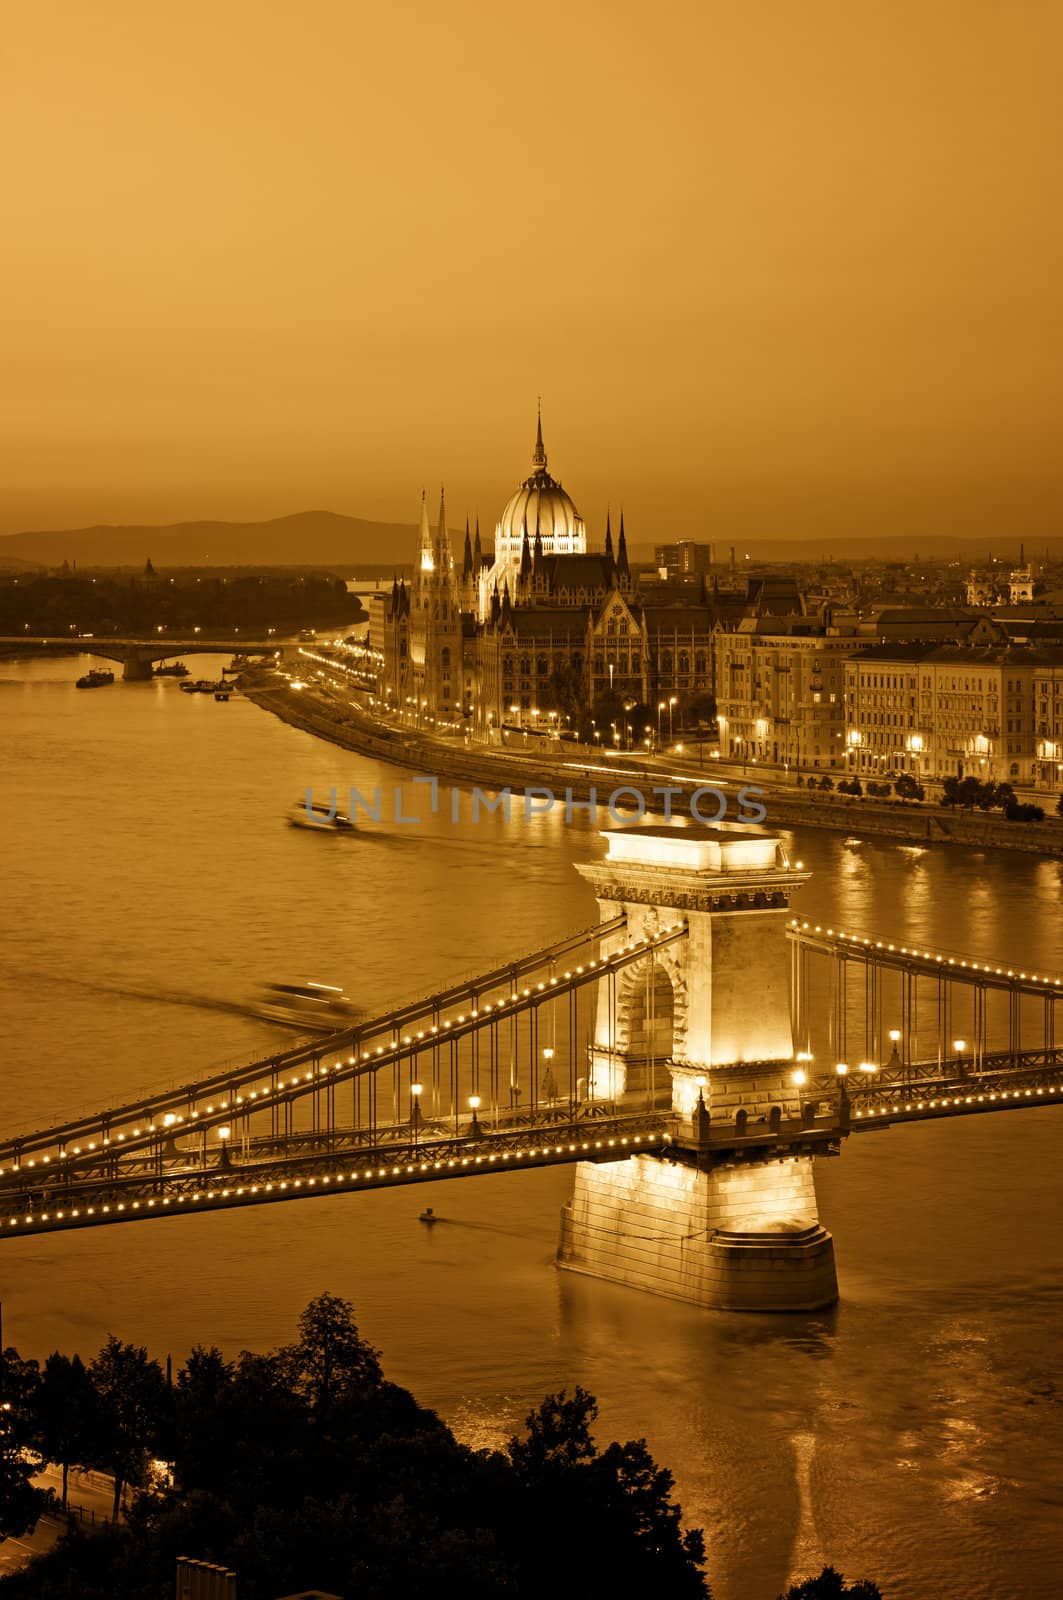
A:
(539, 630)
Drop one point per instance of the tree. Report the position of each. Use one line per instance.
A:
(331, 1359)
(566, 1485)
(65, 1414)
(907, 787)
(133, 1406)
(20, 1502)
(830, 1585)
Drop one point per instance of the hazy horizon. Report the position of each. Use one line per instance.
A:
(775, 272)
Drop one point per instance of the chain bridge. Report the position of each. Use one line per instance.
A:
(689, 1055)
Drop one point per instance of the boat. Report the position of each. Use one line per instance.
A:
(428, 1216)
(320, 818)
(221, 694)
(171, 669)
(313, 1007)
(95, 679)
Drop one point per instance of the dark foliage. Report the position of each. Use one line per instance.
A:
(308, 1468)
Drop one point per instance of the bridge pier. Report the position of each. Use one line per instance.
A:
(731, 1222)
(136, 667)
(736, 1238)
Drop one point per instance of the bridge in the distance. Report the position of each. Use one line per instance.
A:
(139, 654)
(690, 1055)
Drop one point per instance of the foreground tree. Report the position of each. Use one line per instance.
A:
(307, 1467)
(830, 1585)
(133, 1413)
(65, 1414)
(20, 1502)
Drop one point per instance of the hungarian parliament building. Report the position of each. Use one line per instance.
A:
(538, 624)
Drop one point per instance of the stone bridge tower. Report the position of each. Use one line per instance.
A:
(733, 1221)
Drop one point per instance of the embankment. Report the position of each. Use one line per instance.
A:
(915, 824)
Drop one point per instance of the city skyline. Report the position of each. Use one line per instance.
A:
(772, 275)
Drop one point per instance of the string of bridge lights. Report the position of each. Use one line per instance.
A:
(369, 1175)
(926, 955)
(381, 1054)
(956, 1100)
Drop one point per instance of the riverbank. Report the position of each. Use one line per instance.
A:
(577, 770)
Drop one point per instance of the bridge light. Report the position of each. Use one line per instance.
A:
(548, 1054)
(895, 1034)
(224, 1133)
(959, 1045)
(799, 1076)
(415, 1089)
(474, 1102)
(804, 1055)
(868, 1066)
(842, 1068)
(168, 1120)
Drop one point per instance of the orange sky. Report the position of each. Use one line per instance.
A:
(774, 267)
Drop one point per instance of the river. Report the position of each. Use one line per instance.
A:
(914, 1434)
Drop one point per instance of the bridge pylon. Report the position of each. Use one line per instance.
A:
(732, 1221)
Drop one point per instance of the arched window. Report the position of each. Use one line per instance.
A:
(507, 666)
(1014, 769)
(599, 664)
(700, 665)
(636, 663)
(623, 624)
(666, 661)
(684, 661)
(577, 661)
(610, 626)
(542, 667)
(444, 656)
(525, 666)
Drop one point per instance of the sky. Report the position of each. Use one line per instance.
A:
(775, 269)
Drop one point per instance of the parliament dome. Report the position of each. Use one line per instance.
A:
(540, 505)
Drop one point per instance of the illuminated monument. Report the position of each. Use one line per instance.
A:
(729, 1223)
(539, 512)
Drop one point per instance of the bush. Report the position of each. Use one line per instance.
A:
(1016, 812)
(852, 786)
(908, 788)
(825, 782)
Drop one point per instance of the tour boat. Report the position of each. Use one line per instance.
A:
(319, 818)
(172, 669)
(95, 679)
(313, 1007)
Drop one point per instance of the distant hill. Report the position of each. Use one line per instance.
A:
(325, 538)
(309, 538)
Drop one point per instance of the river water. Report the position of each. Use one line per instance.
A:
(914, 1435)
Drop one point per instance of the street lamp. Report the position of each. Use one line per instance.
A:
(224, 1135)
(660, 707)
(474, 1106)
(415, 1109)
(673, 701)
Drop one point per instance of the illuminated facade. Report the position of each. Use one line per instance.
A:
(780, 692)
(953, 711)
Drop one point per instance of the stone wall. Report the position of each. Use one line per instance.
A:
(744, 1238)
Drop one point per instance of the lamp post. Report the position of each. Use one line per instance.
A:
(673, 701)
(660, 708)
(415, 1110)
(224, 1135)
(474, 1105)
